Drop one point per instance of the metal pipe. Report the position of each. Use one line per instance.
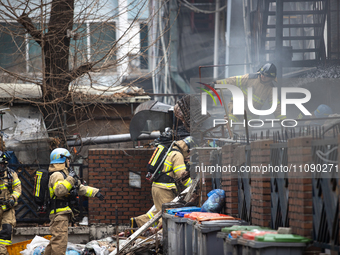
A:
(279, 37)
(228, 37)
(112, 139)
(216, 42)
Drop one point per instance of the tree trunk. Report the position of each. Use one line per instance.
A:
(56, 50)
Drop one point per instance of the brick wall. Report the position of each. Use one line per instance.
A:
(109, 171)
(300, 189)
(206, 184)
(229, 182)
(260, 184)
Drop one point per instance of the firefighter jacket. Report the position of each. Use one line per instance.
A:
(60, 187)
(10, 187)
(261, 93)
(174, 166)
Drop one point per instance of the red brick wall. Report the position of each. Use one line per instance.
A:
(109, 171)
(204, 158)
(260, 184)
(300, 189)
(229, 181)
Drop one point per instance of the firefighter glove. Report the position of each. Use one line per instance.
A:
(11, 203)
(100, 196)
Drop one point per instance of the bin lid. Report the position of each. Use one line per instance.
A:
(282, 238)
(181, 214)
(178, 219)
(214, 218)
(252, 234)
(214, 226)
(173, 211)
(239, 228)
(195, 215)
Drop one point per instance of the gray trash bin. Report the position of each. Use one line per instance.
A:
(271, 248)
(191, 245)
(207, 241)
(175, 230)
(230, 245)
(188, 235)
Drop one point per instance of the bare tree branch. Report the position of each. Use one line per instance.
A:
(26, 22)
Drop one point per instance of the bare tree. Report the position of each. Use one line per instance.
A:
(57, 42)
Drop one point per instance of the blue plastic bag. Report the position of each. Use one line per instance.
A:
(215, 201)
(39, 250)
(72, 252)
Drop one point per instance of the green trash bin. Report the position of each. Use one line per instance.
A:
(228, 230)
(276, 244)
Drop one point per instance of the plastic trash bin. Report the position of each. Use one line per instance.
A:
(207, 242)
(274, 244)
(175, 229)
(190, 237)
(230, 245)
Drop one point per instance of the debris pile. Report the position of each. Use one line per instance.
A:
(324, 72)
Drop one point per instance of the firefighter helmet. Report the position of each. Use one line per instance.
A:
(59, 155)
(3, 158)
(323, 111)
(190, 142)
(268, 70)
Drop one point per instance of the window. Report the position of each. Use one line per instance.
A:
(144, 43)
(90, 41)
(12, 50)
(103, 38)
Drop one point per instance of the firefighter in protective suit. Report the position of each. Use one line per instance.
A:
(62, 182)
(10, 192)
(164, 189)
(262, 84)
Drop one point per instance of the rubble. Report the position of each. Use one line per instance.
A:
(324, 72)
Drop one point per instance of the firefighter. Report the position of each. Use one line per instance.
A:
(262, 84)
(63, 182)
(10, 192)
(163, 188)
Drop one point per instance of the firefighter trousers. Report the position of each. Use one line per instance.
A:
(59, 230)
(7, 219)
(160, 196)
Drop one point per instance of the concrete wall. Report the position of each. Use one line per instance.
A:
(77, 235)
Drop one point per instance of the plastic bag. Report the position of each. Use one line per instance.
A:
(93, 245)
(37, 241)
(76, 247)
(214, 202)
(72, 252)
(39, 250)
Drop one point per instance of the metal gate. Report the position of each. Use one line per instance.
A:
(279, 186)
(325, 194)
(244, 191)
